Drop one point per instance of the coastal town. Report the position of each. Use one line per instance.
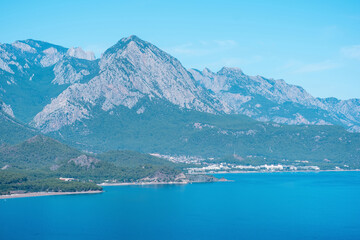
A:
(200, 165)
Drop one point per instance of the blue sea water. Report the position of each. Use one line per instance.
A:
(255, 206)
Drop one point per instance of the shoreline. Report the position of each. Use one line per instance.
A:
(301, 171)
(220, 172)
(141, 183)
(40, 194)
(155, 183)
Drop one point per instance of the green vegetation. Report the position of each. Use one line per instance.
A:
(133, 159)
(37, 164)
(165, 129)
(85, 178)
(12, 131)
(34, 94)
(36, 152)
(104, 171)
(29, 182)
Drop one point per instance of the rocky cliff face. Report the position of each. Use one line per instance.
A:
(32, 72)
(78, 52)
(51, 87)
(129, 71)
(346, 112)
(275, 100)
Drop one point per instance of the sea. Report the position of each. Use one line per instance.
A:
(323, 205)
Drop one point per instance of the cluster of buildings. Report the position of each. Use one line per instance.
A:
(207, 165)
(226, 167)
(181, 159)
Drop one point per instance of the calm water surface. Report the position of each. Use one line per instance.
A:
(256, 206)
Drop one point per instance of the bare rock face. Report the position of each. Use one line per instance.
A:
(5, 167)
(24, 47)
(160, 176)
(78, 52)
(30, 70)
(275, 100)
(84, 161)
(130, 70)
(6, 109)
(139, 66)
(233, 81)
(346, 112)
(51, 56)
(62, 111)
(73, 83)
(67, 73)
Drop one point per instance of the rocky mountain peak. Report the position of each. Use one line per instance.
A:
(131, 42)
(23, 47)
(132, 38)
(134, 70)
(130, 70)
(207, 72)
(78, 52)
(230, 71)
(40, 46)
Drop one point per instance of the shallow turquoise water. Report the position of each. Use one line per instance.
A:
(256, 206)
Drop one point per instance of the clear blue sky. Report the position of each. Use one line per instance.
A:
(315, 44)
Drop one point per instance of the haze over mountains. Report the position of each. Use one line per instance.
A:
(51, 87)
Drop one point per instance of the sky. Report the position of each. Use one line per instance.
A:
(314, 44)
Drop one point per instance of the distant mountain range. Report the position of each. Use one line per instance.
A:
(137, 97)
(274, 100)
(52, 87)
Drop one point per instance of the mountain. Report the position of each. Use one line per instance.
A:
(36, 152)
(33, 72)
(130, 70)
(138, 97)
(78, 52)
(347, 112)
(52, 87)
(274, 100)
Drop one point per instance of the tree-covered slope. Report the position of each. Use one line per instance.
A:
(13, 131)
(41, 157)
(13, 181)
(166, 129)
(128, 158)
(37, 152)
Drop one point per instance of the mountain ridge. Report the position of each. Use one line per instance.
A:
(280, 102)
(130, 70)
(64, 88)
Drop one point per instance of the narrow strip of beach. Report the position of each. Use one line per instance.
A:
(155, 183)
(140, 183)
(39, 194)
(297, 171)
